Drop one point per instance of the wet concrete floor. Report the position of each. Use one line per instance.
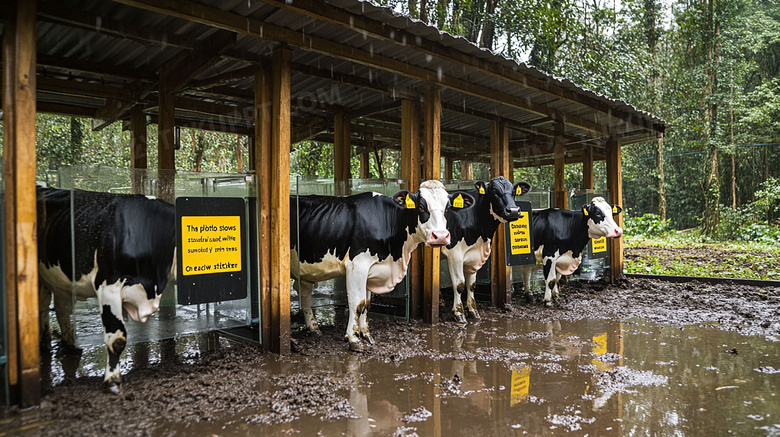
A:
(498, 377)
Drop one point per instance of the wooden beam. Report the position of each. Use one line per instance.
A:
(103, 69)
(466, 170)
(431, 171)
(615, 187)
(223, 78)
(182, 68)
(587, 168)
(114, 110)
(280, 201)
(21, 264)
(138, 146)
(259, 29)
(342, 154)
(166, 154)
(57, 108)
(365, 169)
(448, 167)
(265, 179)
(82, 88)
(500, 284)
(410, 174)
(561, 196)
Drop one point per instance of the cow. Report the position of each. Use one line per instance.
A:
(471, 235)
(559, 237)
(125, 255)
(368, 238)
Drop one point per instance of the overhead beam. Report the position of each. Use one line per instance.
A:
(185, 66)
(85, 66)
(256, 28)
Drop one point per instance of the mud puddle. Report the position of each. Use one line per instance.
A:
(501, 376)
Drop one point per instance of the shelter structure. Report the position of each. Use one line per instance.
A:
(344, 71)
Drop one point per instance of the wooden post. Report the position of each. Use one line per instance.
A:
(587, 169)
(466, 170)
(431, 171)
(365, 170)
(615, 186)
(341, 154)
(448, 168)
(166, 154)
(500, 284)
(138, 149)
(280, 201)
(410, 173)
(561, 196)
(265, 179)
(21, 264)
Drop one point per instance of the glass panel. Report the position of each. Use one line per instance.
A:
(3, 333)
(173, 319)
(591, 268)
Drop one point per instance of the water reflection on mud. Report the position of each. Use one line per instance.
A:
(503, 377)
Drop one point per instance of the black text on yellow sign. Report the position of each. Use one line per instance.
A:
(600, 245)
(210, 244)
(520, 232)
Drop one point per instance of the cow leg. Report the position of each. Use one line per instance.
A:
(550, 280)
(529, 295)
(44, 302)
(63, 308)
(555, 289)
(455, 267)
(114, 334)
(363, 320)
(304, 296)
(357, 276)
(471, 302)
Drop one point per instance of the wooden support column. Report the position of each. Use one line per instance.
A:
(561, 196)
(365, 170)
(265, 179)
(615, 187)
(587, 169)
(447, 168)
(21, 264)
(341, 154)
(431, 171)
(410, 173)
(166, 154)
(466, 170)
(500, 284)
(138, 149)
(280, 201)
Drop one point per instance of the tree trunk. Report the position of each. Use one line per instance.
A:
(712, 188)
(659, 166)
(489, 30)
(239, 155)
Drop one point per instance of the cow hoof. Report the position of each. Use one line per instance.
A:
(474, 314)
(113, 386)
(368, 338)
(315, 332)
(548, 304)
(460, 320)
(529, 298)
(356, 346)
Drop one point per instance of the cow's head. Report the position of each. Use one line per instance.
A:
(429, 205)
(500, 193)
(600, 221)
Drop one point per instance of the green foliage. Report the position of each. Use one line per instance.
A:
(648, 225)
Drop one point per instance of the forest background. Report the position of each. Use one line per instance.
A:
(709, 68)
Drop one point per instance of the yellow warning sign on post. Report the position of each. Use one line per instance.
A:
(599, 245)
(520, 231)
(210, 244)
(521, 382)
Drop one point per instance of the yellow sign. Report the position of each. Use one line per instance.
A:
(600, 348)
(458, 201)
(521, 382)
(521, 235)
(210, 244)
(599, 245)
(409, 202)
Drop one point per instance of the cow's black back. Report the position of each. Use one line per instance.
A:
(472, 223)
(560, 229)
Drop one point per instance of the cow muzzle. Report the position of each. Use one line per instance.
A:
(438, 238)
(512, 214)
(618, 232)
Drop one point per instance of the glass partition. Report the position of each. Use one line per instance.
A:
(327, 296)
(594, 265)
(173, 319)
(3, 331)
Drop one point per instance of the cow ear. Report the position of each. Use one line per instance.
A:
(405, 199)
(480, 186)
(461, 200)
(616, 210)
(521, 188)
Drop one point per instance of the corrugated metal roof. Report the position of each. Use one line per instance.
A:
(93, 53)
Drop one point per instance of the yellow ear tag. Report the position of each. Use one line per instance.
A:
(481, 189)
(614, 209)
(585, 211)
(458, 201)
(409, 202)
(519, 191)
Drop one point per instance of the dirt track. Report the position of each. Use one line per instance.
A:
(183, 395)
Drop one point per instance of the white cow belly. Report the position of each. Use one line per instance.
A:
(55, 280)
(330, 267)
(565, 263)
(474, 256)
(384, 275)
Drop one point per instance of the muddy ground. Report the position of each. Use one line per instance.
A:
(194, 388)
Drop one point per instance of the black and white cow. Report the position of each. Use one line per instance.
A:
(472, 232)
(125, 254)
(561, 235)
(368, 238)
